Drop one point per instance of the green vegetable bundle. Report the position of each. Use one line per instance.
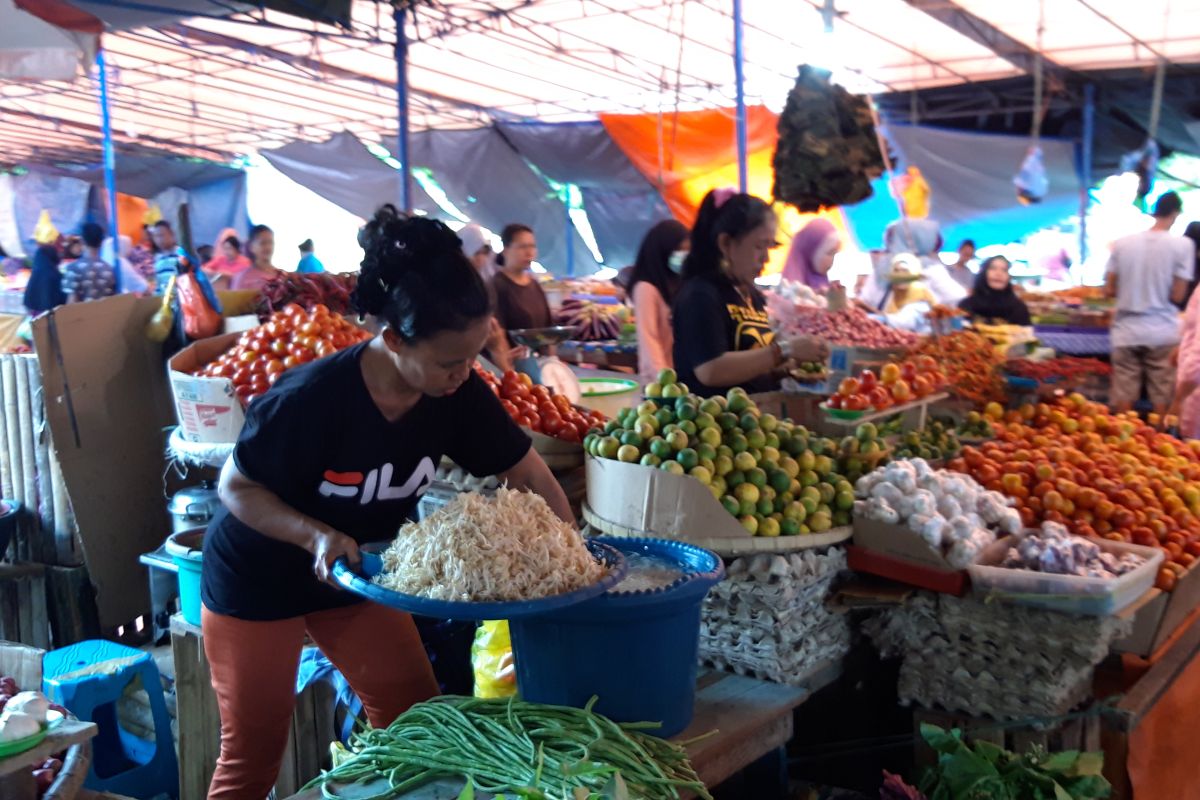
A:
(827, 153)
(512, 747)
(984, 771)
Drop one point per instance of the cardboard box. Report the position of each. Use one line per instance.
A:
(207, 409)
(652, 502)
(107, 403)
(900, 543)
(1159, 614)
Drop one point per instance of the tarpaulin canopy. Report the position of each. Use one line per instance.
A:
(621, 204)
(214, 84)
(485, 177)
(341, 170)
(146, 176)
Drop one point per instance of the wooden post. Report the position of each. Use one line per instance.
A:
(33, 544)
(41, 460)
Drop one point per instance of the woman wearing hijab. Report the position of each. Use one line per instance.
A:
(44, 290)
(227, 261)
(994, 297)
(478, 247)
(652, 285)
(922, 237)
(811, 255)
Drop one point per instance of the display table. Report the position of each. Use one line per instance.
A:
(1074, 341)
(752, 719)
(16, 777)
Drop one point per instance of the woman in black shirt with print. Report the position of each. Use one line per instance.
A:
(723, 337)
(336, 455)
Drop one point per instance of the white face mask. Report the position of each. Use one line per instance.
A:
(675, 262)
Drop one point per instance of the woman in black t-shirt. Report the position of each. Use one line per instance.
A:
(723, 337)
(336, 455)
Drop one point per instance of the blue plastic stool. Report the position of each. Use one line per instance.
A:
(122, 763)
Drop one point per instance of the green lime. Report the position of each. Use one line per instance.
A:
(841, 518)
(765, 507)
(747, 492)
(738, 402)
(723, 465)
(750, 523)
(824, 465)
(632, 439)
(735, 479)
(667, 376)
(701, 474)
(789, 527)
(820, 522)
(768, 422)
(650, 460)
(727, 421)
(796, 511)
(628, 453)
(654, 389)
(780, 480)
(665, 416)
(711, 436)
(744, 462)
(677, 440)
(757, 477)
(710, 407)
(706, 420)
(672, 467)
(827, 492)
(769, 527)
(731, 504)
(660, 447)
(608, 447)
(672, 390)
(737, 443)
(684, 409)
(688, 458)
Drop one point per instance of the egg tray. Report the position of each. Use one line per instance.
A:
(730, 640)
(803, 613)
(795, 672)
(977, 700)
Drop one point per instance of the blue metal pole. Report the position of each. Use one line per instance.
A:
(1085, 171)
(739, 68)
(400, 15)
(567, 231)
(110, 161)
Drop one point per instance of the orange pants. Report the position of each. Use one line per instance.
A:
(254, 668)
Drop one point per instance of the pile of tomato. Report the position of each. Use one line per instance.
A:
(540, 409)
(1099, 474)
(971, 364)
(291, 337)
(1060, 368)
(895, 384)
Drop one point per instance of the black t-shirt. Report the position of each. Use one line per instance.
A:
(319, 442)
(710, 319)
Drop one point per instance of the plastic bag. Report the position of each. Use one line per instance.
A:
(914, 192)
(200, 319)
(160, 325)
(492, 661)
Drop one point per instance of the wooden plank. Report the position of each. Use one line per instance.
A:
(6, 465)
(196, 759)
(8, 395)
(71, 605)
(1069, 736)
(66, 543)
(74, 772)
(32, 523)
(70, 732)
(41, 461)
(1145, 693)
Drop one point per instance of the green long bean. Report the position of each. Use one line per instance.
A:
(512, 746)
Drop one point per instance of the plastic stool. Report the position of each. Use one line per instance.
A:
(79, 678)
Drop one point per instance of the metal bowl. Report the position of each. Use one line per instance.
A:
(537, 338)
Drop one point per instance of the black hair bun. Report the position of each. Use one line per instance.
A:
(399, 249)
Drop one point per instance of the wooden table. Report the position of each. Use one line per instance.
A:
(752, 718)
(16, 772)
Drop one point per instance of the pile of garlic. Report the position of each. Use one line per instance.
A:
(1054, 550)
(950, 511)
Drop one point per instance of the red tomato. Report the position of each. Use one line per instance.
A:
(222, 369)
(274, 367)
(553, 424)
(243, 390)
(319, 310)
(310, 328)
(879, 397)
(855, 402)
(908, 371)
(510, 408)
(568, 433)
(324, 349)
(292, 310)
(564, 405)
(247, 356)
(834, 401)
(290, 361)
(541, 393)
(241, 376)
(279, 347)
(867, 380)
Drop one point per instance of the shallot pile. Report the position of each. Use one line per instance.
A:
(849, 327)
(1055, 551)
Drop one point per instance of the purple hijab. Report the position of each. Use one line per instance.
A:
(799, 265)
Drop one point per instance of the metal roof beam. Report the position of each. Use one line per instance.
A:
(980, 31)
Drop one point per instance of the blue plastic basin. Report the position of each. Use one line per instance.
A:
(635, 651)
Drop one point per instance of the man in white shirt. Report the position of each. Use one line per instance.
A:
(1148, 275)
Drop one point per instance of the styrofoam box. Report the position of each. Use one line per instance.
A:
(1071, 594)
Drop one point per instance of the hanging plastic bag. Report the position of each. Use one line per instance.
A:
(1031, 181)
(160, 325)
(1143, 162)
(200, 319)
(914, 192)
(492, 661)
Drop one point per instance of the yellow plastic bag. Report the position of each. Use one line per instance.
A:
(45, 232)
(914, 191)
(492, 661)
(160, 325)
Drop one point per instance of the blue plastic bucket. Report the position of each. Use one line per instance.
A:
(185, 550)
(636, 651)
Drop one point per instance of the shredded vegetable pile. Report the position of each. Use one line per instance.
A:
(479, 549)
(513, 747)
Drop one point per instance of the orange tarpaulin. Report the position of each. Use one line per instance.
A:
(699, 154)
(131, 213)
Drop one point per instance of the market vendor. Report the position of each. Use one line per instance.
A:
(723, 337)
(993, 298)
(336, 455)
(261, 244)
(227, 261)
(811, 255)
(653, 284)
(520, 301)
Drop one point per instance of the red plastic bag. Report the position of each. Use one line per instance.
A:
(200, 319)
